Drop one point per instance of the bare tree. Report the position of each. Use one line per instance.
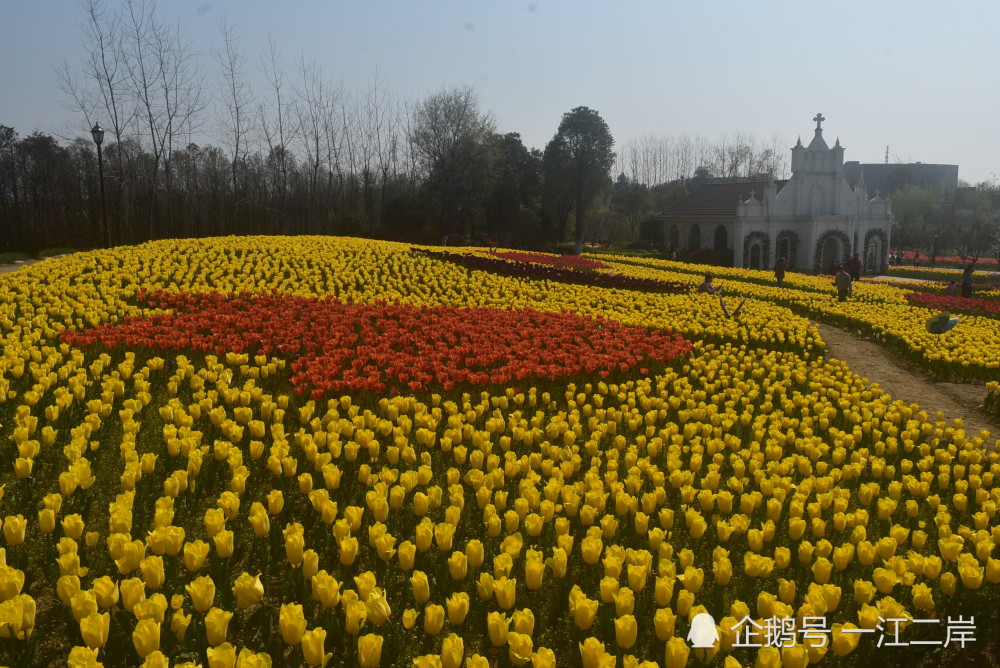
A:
(236, 100)
(166, 82)
(101, 93)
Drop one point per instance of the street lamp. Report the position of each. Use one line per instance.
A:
(98, 132)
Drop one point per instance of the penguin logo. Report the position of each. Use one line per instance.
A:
(703, 633)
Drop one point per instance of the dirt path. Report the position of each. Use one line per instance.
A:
(895, 376)
(7, 268)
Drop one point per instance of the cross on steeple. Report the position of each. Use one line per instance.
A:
(819, 119)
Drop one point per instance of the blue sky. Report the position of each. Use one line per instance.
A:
(918, 76)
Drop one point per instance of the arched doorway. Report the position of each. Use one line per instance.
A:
(721, 238)
(831, 253)
(832, 246)
(756, 249)
(674, 236)
(876, 252)
(694, 238)
(787, 246)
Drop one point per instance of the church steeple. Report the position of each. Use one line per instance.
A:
(818, 144)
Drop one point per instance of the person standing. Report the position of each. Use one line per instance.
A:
(854, 267)
(967, 282)
(779, 270)
(844, 285)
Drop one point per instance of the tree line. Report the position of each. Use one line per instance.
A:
(301, 155)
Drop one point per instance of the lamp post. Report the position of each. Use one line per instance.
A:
(98, 132)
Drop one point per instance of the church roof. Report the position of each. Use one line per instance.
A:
(718, 200)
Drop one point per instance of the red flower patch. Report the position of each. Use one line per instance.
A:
(971, 305)
(568, 261)
(342, 346)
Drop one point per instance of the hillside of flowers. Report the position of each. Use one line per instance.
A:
(285, 451)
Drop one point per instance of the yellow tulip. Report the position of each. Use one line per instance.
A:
(497, 625)
(223, 656)
(406, 554)
(768, 657)
(83, 603)
(202, 593)
(592, 548)
(452, 651)
(476, 661)
(314, 646)
(524, 621)
(519, 648)
(248, 590)
(259, 520)
(369, 650)
(215, 521)
(534, 569)
(349, 551)
(948, 582)
(844, 643)
(179, 624)
(433, 619)
(356, 614)
(154, 607)
(46, 520)
(458, 608)
(676, 653)
(626, 631)
(106, 591)
(217, 625)
(378, 610)
(409, 618)
(864, 591)
(923, 597)
(458, 565)
(14, 527)
(275, 502)
(224, 543)
(584, 613)
(146, 637)
(420, 586)
(505, 591)
(474, 553)
(325, 589)
(133, 591)
(295, 544)
(83, 657)
(152, 571)
(663, 622)
(94, 629)
(291, 623)
(195, 553)
(593, 654)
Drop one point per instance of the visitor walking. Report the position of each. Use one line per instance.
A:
(967, 282)
(844, 285)
(779, 270)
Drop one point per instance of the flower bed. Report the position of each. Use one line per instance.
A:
(578, 262)
(531, 270)
(167, 503)
(378, 348)
(984, 307)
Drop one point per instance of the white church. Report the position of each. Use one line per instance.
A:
(814, 219)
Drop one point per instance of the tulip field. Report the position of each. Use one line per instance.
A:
(285, 451)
